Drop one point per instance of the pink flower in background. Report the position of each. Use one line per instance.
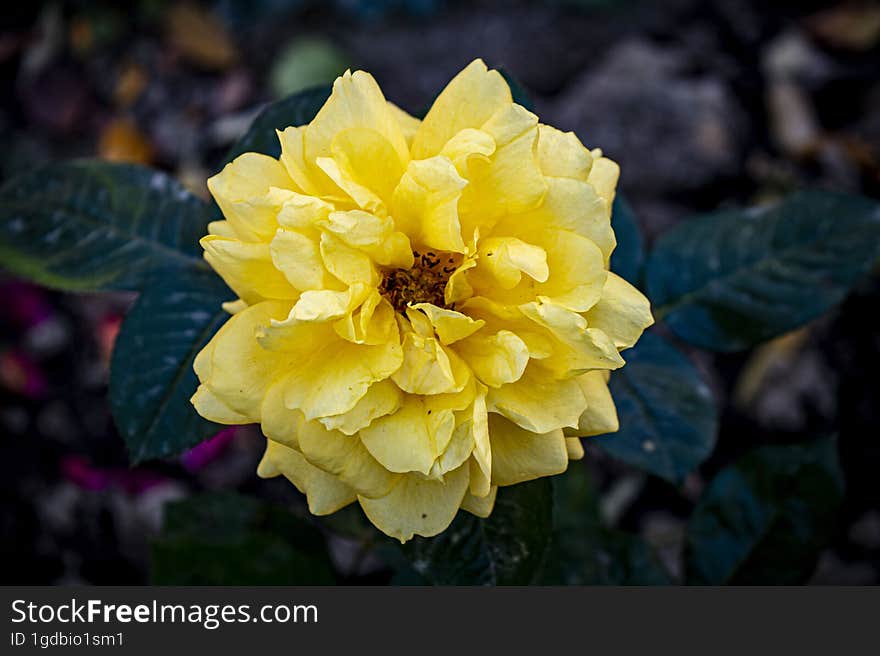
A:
(81, 472)
(208, 451)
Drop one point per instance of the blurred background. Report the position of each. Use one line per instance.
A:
(704, 104)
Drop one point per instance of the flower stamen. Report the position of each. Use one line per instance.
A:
(425, 282)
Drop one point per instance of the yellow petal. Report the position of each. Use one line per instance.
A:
(277, 421)
(214, 409)
(481, 462)
(480, 506)
(537, 402)
(600, 415)
(303, 212)
(577, 270)
(411, 439)
(356, 102)
(235, 367)
(519, 455)
(381, 399)
(409, 124)
(374, 323)
(247, 268)
(510, 180)
(576, 348)
(425, 204)
(241, 190)
(468, 101)
(458, 288)
(350, 265)
(323, 305)
(417, 505)
(574, 447)
(336, 375)
(450, 326)
(369, 160)
(298, 258)
(505, 259)
(345, 179)
(603, 176)
(510, 123)
(459, 447)
(495, 358)
(374, 235)
(325, 493)
(576, 273)
(344, 457)
(420, 435)
(293, 158)
(468, 144)
(622, 313)
(395, 252)
(562, 155)
(310, 323)
(429, 367)
(499, 317)
(570, 205)
(357, 228)
(222, 229)
(234, 307)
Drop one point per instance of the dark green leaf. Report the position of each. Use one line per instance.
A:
(764, 519)
(151, 374)
(230, 539)
(668, 422)
(88, 225)
(628, 256)
(507, 548)
(730, 280)
(587, 553)
(298, 109)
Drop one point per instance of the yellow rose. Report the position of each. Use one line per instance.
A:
(425, 309)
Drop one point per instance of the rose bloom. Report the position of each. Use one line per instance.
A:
(425, 308)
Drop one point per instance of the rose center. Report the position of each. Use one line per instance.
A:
(425, 282)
